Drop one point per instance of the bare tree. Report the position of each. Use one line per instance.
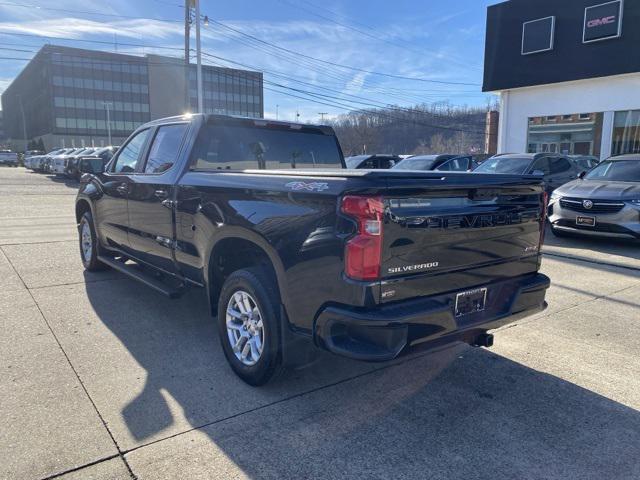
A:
(433, 128)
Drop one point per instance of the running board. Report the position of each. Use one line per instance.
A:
(148, 280)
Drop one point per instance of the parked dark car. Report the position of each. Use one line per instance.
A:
(604, 202)
(372, 162)
(444, 163)
(555, 169)
(73, 169)
(296, 252)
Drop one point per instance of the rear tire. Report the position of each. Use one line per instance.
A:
(89, 247)
(249, 325)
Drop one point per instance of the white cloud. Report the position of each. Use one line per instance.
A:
(75, 28)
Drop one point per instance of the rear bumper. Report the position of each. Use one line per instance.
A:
(389, 331)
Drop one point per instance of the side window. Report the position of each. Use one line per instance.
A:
(368, 164)
(455, 165)
(130, 153)
(559, 165)
(541, 164)
(387, 162)
(165, 147)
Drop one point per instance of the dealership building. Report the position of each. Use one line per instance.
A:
(73, 97)
(568, 75)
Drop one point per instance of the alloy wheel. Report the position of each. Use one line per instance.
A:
(245, 328)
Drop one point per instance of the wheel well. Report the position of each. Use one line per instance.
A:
(230, 255)
(81, 208)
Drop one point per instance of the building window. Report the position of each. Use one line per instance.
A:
(551, 118)
(626, 132)
(585, 116)
(571, 137)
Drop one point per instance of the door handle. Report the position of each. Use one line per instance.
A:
(123, 189)
(162, 194)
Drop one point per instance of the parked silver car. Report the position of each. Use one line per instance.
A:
(603, 202)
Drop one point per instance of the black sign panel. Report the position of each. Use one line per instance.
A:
(538, 35)
(603, 21)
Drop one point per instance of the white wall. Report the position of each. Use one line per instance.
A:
(608, 94)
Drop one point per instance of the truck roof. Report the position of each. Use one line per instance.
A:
(248, 121)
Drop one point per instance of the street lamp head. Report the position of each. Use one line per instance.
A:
(206, 21)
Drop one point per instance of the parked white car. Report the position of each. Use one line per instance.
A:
(59, 162)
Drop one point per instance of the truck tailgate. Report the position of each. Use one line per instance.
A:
(455, 232)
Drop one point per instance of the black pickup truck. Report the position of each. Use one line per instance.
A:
(294, 251)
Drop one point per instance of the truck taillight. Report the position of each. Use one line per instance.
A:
(543, 218)
(364, 250)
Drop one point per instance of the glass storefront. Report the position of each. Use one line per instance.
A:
(626, 132)
(570, 134)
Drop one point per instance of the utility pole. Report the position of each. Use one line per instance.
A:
(322, 114)
(199, 59)
(24, 122)
(277, 108)
(297, 115)
(106, 106)
(187, 38)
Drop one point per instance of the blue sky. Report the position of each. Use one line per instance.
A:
(439, 42)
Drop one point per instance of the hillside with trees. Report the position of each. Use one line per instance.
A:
(433, 128)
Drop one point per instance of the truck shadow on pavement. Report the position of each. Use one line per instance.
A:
(457, 413)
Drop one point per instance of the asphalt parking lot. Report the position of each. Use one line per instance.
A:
(104, 379)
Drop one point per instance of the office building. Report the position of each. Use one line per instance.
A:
(76, 97)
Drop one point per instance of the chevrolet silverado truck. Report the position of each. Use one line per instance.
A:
(297, 253)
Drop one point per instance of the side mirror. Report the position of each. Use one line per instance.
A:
(538, 172)
(582, 174)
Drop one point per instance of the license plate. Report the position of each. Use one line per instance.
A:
(472, 301)
(586, 221)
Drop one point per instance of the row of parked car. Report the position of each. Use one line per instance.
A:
(556, 169)
(67, 161)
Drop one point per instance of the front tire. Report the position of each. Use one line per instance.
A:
(89, 244)
(249, 325)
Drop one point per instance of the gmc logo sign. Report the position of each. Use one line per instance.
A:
(602, 22)
(598, 22)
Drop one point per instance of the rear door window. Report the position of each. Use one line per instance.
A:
(165, 148)
(130, 154)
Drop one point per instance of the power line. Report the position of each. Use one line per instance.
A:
(357, 30)
(359, 100)
(338, 65)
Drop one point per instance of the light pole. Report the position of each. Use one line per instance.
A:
(187, 35)
(106, 106)
(199, 59)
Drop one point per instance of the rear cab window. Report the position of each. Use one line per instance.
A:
(247, 147)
